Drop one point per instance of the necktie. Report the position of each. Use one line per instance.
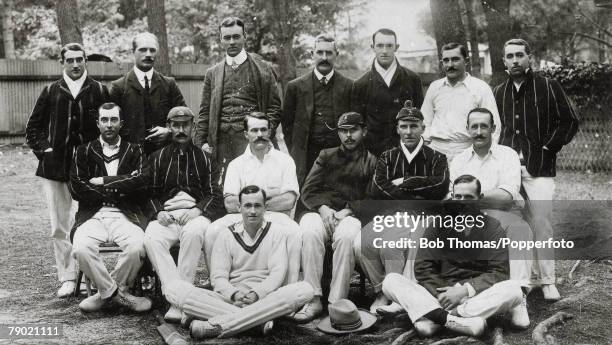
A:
(323, 80)
(146, 99)
(234, 64)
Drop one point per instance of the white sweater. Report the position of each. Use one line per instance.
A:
(260, 267)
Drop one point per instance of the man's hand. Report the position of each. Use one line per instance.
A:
(340, 215)
(250, 298)
(96, 181)
(238, 298)
(189, 215)
(398, 181)
(158, 134)
(164, 218)
(207, 148)
(452, 296)
(49, 149)
(327, 214)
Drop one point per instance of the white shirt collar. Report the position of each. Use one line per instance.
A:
(75, 85)
(493, 152)
(249, 154)
(109, 146)
(141, 74)
(238, 59)
(386, 74)
(410, 155)
(465, 80)
(319, 75)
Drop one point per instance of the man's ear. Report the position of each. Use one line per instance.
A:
(372, 45)
(481, 196)
(396, 47)
(246, 134)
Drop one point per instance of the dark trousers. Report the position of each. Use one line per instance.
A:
(230, 144)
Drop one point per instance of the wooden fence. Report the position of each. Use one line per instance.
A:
(21, 82)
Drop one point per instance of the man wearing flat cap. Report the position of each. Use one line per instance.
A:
(408, 171)
(340, 177)
(186, 198)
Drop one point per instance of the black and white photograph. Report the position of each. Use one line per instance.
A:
(349, 172)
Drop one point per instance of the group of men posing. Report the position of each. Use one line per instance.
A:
(136, 158)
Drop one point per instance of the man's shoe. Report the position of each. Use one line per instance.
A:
(426, 327)
(380, 301)
(66, 289)
(137, 304)
(92, 303)
(204, 329)
(267, 327)
(520, 317)
(390, 310)
(173, 315)
(309, 311)
(473, 326)
(550, 292)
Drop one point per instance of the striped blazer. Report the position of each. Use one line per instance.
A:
(123, 191)
(177, 168)
(62, 122)
(538, 114)
(425, 178)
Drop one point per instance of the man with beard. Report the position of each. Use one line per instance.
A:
(458, 288)
(340, 177)
(381, 92)
(146, 96)
(312, 105)
(538, 120)
(106, 178)
(63, 118)
(408, 171)
(186, 199)
(240, 84)
(449, 100)
(273, 171)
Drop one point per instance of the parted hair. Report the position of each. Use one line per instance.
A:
(467, 179)
(141, 35)
(384, 31)
(109, 106)
(231, 21)
(74, 47)
(454, 45)
(325, 38)
(251, 189)
(519, 42)
(481, 110)
(254, 115)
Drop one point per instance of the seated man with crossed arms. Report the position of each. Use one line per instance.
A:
(248, 269)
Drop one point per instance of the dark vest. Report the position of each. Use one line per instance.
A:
(239, 96)
(323, 118)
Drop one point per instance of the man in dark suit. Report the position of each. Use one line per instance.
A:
(63, 118)
(380, 93)
(537, 121)
(312, 106)
(146, 96)
(235, 87)
(106, 178)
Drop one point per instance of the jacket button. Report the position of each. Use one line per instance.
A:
(516, 116)
(518, 132)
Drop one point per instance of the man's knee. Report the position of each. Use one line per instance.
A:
(347, 230)
(81, 249)
(511, 289)
(196, 228)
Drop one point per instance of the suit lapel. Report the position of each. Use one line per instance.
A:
(86, 85)
(64, 87)
(307, 89)
(156, 81)
(219, 73)
(123, 151)
(337, 89)
(132, 81)
(98, 155)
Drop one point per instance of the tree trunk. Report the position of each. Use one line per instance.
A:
(448, 26)
(156, 20)
(7, 48)
(472, 30)
(497, 13)
(67, 12)
(127, 8)
(284, 35)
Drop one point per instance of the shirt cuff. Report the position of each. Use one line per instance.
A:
(471, 291)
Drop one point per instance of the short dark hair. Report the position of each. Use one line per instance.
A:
(143, 34)
(110, 106)
(251, 189)
(467, 179)
(481, 110)
(255, 115)
(325, 38)
(454, 45)
(74, 47)
(384, 31)
(231, 21)
(518, 42)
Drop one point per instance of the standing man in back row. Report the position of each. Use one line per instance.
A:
(146, 96)
(382, 91)
(235, 87)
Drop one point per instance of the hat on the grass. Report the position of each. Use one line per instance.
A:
(180, 113)
(344, 317)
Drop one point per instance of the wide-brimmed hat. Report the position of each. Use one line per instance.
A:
(344, 317)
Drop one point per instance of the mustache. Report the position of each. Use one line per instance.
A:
(324, 62)
(182, 135)
(261, 140)
(148, 59)
(480, 137)
(451, 69)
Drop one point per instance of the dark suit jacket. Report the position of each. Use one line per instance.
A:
(298, 106)
(268, 100)
(124, 191)
(51, 126)
(127, 93)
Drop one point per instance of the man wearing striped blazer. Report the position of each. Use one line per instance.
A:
(64, 117)
(106, 179)
(537, 120)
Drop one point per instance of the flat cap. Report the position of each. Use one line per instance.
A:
(180, 114)
(410, 113)
(350, 120)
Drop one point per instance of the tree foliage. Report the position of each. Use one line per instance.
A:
(587, 83)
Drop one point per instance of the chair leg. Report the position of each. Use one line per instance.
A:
(77, 287)
(88, 285)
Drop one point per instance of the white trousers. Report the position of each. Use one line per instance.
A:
(209, 305)
(540, 192)
(313, 252)
(294, 239)
(159, 239)
(61, 212)
(417, 301)
(109, 227)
